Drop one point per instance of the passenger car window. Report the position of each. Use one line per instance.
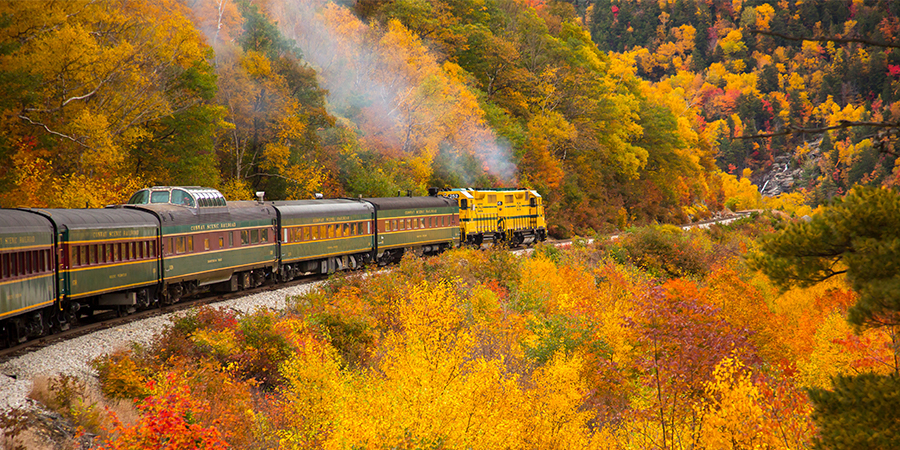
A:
(180, 197)
(159, 197)
(139, 198)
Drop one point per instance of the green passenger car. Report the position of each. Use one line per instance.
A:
(107, 258)
(423, 225)
(27, 276)
(208, 242)
(323, 236)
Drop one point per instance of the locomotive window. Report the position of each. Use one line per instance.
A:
(509, 200)
(245, 237)
(264, 235)
(492, 199)
(254, 236)
(206, 244)
(179, 244)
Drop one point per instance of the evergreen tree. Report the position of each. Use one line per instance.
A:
(857, 236)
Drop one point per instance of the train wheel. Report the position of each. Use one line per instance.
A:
(245, 280)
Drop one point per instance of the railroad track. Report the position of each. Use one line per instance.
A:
(110, 319)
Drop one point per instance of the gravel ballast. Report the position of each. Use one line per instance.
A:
(73, 357)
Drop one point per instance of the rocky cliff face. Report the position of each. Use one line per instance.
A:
(781, 178)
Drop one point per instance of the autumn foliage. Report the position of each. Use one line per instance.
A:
(615, 123)
(587, 347)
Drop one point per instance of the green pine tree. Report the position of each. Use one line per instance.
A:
(857, 236)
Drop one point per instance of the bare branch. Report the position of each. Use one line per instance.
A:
(790, 129)
(55, 133)
(838, 40)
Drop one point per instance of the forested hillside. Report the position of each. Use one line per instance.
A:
(297, 97)
(747, 70)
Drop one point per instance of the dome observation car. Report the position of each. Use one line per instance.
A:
(189, 196)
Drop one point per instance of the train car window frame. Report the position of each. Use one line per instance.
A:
(323, 232)
(206, 244)
(221, 242)
(83, 251)
(254, 236)
(179, 245)
(230, 239)
(4, 258)
(159, 197)
(245, 237)
(264, 235)
(354, 229)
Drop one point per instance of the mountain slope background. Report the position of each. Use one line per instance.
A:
(618, 113)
